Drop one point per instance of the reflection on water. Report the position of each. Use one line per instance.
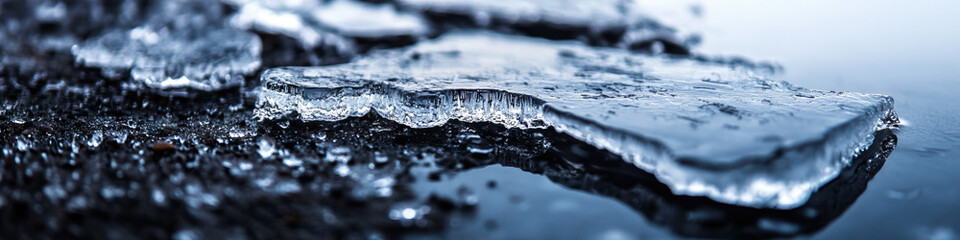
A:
(904, 49)
(525, 205)
(604, 174)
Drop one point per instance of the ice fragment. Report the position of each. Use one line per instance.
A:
(184, 45)
(209, 59)
(702, 129)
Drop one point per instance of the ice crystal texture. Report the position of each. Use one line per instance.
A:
(702, 129)
(176, 49)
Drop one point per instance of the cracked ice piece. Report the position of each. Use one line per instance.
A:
(603, 22)
(207, 59)
(702, 129)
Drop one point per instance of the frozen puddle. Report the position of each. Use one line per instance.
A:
(701, 129)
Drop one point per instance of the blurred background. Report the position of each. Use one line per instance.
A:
(905, 49)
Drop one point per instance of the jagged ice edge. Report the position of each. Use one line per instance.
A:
(840, 145)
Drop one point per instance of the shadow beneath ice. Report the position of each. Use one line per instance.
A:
(606, 174)
(462, 147)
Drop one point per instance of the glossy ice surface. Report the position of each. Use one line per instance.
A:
(702, 129)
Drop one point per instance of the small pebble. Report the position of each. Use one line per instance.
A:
(163, 146)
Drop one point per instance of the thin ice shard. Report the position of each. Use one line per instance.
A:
(702, 129)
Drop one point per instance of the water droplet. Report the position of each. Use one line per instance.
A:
(263, 182)
(384, 186)
(76, 203)
(236, 107)
(338, 154)
(23, 144)
(292, 161)
(95, 140)
(158, 197)
(320, 136)
(283, 124)
(54, 192)
(267, 147)
(286, 187)
(239, 134)
(409, 212)
(110, 192)
(380, 157)
(342, 170)
(186, 234)
(120, 137)
(244, 165)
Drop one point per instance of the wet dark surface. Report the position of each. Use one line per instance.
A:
(89, 156)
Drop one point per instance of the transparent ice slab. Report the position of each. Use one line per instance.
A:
(702, 129)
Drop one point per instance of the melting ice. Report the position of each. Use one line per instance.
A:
(702, 129)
